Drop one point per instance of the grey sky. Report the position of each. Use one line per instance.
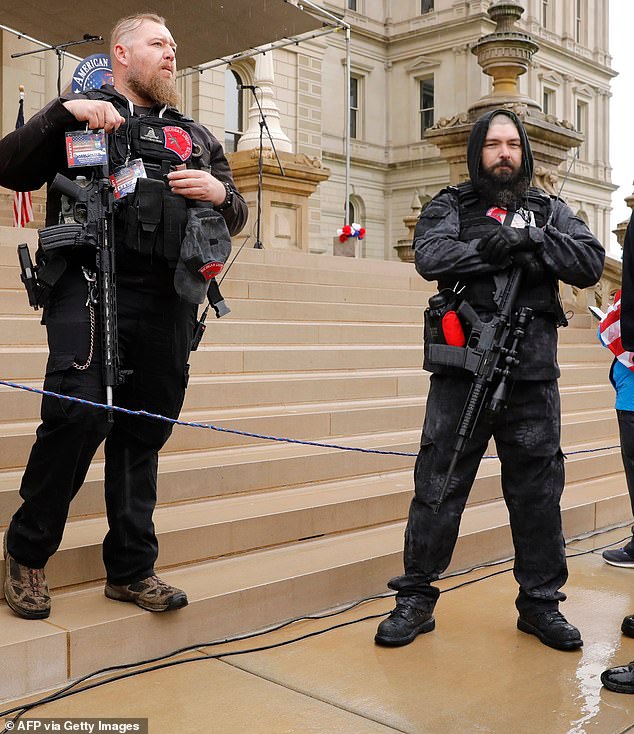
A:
(621, 117)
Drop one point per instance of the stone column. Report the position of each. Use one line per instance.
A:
(264, 78)
(284, 222)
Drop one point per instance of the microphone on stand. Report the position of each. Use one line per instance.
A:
(247, 86)
(90, 37)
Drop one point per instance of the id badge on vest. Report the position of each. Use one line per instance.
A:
(124, 178)
(86, 148)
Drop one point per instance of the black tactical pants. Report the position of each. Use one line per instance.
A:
(154, 340)
(527, 437)
(626, 433)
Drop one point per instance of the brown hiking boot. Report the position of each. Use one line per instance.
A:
(150, 593)
(25, 589)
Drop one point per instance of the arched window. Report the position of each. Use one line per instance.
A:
(352, 213)
(356, 210)
(356, 215)
(234, 110)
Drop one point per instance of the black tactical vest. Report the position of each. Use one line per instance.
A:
(151, 220)
(475, 224)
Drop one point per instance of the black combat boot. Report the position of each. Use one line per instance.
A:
(552, 629)
(619, 679)
(627, 626)
(403, 625)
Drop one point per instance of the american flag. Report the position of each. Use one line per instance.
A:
(22, 202)
(610, 333)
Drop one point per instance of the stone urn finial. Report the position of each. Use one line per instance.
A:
(505, 14)
(506, 53)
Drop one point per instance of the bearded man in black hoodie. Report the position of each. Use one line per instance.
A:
(468, 239)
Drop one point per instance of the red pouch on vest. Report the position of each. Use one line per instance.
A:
(452, 330)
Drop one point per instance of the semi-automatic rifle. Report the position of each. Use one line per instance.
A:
(490, 354)
(87, 212)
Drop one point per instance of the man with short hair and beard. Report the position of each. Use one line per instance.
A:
(469, 238)
(179, 175)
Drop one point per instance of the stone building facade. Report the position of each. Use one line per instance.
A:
(411, 65)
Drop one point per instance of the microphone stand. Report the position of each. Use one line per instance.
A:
(262, 123)
(59, 49)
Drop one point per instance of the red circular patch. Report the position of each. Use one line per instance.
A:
(210, 270)
(178, 141)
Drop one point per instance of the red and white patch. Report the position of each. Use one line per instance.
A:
(211, 269)
(495, 212)
(178, 141)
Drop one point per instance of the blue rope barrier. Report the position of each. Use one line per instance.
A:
(208, 426)
(211, 427)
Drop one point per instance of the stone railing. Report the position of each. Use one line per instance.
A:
(601, 294)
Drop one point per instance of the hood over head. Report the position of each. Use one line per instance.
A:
(476, 143)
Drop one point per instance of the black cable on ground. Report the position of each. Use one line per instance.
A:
(72, 689)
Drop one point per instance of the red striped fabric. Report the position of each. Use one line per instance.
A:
(610, 333)
(22, 208)
(22, 201)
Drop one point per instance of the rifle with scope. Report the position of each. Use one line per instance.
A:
(490, 354)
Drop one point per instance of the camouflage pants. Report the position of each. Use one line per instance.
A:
(527, 436)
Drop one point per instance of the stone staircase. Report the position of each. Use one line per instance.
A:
(316, 348)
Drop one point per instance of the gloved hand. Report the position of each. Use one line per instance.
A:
(532, 267)
(502, 243)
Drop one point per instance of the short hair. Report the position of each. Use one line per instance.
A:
(500, 118)
(127, 25)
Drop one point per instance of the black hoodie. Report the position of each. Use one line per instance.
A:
(476, 143)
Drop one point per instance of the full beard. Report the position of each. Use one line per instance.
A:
(504, 190)
(160, 91)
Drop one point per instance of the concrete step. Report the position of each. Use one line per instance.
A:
(249, 272)
(27, 330)
(235, 392)
(30, 362)
(27, 363)
(262, 271)
(14, 302)
(239, 391)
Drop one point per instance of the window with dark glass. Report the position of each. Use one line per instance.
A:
(352, 213)
(582, 126)
(234, 110)
(426, 105)
(578, 20)
(426, 6)
(352, 4)
(355, 84)
(548, 104)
